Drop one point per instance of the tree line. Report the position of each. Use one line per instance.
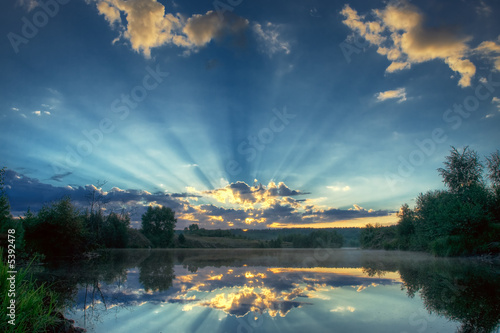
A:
(61, 229)
(463, 219)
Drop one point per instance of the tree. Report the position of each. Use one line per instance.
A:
(158, 225)
(193, 228)
(115, 230)
(462, 170)
(493, 165)
(95, 218)
(405, 227)
(58, 230)
(5, 217)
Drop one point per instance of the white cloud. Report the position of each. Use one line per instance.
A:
(496, 101)
(270, 38)
(146, 25)
(392, 94)
(339, 188)
(29, 5)
(15, 109)
(40, 113)
(400, 33)
(344, 309)
(491, 50)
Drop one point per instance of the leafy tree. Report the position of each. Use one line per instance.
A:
(58, 230)
(115, 230)
(406, 227)
(378, 237)
(158, 225)
(462, 170)
(193, 228)
(493, 165)
(94, 221)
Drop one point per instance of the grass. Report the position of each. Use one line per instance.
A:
(35, 304)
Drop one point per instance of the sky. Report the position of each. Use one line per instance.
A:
(244, 114)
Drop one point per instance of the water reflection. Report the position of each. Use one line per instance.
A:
(467, 293)
(265, 291)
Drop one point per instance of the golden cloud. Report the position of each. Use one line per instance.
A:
(146, 25)
(400, 33)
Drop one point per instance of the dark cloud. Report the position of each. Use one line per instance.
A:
(60, 176)
(273, 203)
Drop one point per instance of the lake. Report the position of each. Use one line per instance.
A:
(278, 290)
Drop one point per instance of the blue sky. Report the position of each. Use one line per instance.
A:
(244, 114)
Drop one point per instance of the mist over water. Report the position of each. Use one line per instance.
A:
(288, 290)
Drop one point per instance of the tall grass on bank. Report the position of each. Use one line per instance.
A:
(35, 304)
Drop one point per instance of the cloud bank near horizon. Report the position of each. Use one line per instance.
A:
(237, 205)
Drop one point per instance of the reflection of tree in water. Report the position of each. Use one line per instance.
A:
(87, 278)
(157, 271)
(469, 294)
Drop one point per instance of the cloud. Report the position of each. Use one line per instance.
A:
(29, 5)
(400, 33)
(339, 188)
(496, 101)
(483, 9)
(269, 36)
(247, 299)
(490, 50)
(392, 94)
(243, 194)
(253, 206)
(40, 113)
(145, 25)
(201, 29)
(26, 192)
(60, 176)
(343, 309)
(15, 109)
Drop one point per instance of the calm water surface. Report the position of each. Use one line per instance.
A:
(284, 290)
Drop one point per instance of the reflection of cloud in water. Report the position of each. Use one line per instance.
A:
(240, 290)
(257, 300)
